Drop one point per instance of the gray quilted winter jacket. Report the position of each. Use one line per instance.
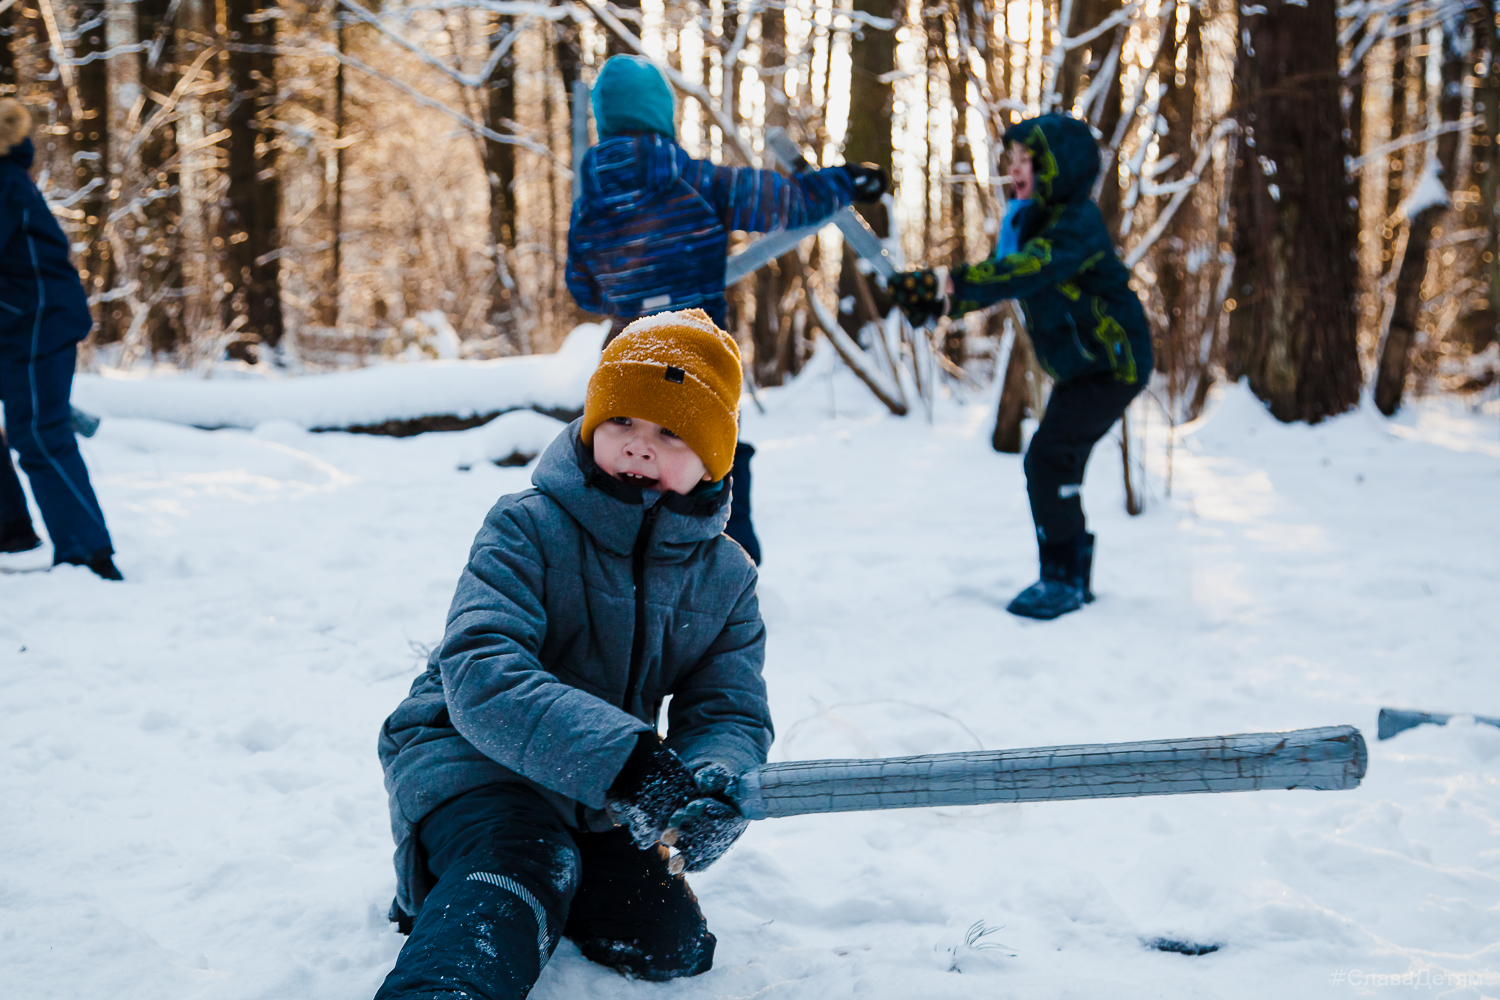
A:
(579, 612)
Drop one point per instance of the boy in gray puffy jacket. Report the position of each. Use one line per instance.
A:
(531, 798)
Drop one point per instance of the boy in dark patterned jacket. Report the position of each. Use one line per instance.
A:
(650, 231)
(1055, 255)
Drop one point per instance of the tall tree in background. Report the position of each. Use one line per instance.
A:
(1483, 325)
(1427, 209)
(252, 199)
(499, 111)
(1175, 271)
(771, 332)
(9, 35)
(87, 105)
(1293, 330)
(872, 58)
(1110, 107)
(160, 163)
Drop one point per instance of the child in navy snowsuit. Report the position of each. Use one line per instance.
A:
(530, 795)
(44, 313)
(650, 231)
(1091, 335)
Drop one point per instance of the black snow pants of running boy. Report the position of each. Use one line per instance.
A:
(1079, 413)
(512, 880)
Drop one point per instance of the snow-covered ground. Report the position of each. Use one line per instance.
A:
(193, 808)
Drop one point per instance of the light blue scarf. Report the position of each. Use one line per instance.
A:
(1009, 241)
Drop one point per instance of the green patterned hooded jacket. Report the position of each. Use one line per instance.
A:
(1075, 292)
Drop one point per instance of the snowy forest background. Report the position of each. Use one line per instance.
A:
(1305, 190)
(282, 212)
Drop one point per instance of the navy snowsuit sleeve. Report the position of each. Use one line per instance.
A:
(1064, 247)
(762, 201)
(719, 712)
(500, 697)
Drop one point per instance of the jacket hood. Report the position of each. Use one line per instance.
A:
(1064, 157)
(612, 511)
(624, 172)
(21, 155)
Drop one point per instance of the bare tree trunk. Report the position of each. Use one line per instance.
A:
(10, 37)
(202, 262)
(1112, 109)
(328, 304)
(1016, 393)
(161, 263)
(252, 203)
(1174, 275)
(1070, 74)
(91, 160)
(772, 357)
(1487, 166)
(500, 167)
(963, 162)
(1395, 163)
(872, 56)
(1395, 356)
(1293, 332)
(118, 315)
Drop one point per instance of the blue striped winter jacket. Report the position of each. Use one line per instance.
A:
(650, 231)
(42, 303)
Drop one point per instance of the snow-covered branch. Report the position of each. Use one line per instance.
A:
(473, 81)
(679, 81)
(436, 105)
(1183, 188)
(1353, 164)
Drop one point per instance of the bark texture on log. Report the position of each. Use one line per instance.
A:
(1329, 758)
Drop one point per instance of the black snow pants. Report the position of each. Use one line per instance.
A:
(38, 425)
(512, 880)
(1079, 413)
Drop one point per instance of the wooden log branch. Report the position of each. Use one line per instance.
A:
(855, 358)
(1329, 758)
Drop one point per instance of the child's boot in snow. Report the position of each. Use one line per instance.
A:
(1064, 586)
(18, 536)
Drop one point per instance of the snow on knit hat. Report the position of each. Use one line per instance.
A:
(15, 122)
(630, 94)
(678, 370)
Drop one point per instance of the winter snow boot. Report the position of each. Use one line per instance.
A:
(18, 536)
(100, 562)
(1064, 586)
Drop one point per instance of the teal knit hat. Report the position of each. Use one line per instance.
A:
(630, 93)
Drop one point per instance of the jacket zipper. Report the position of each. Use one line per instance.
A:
(638, 573)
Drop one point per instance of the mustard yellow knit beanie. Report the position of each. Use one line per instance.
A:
(676, 369)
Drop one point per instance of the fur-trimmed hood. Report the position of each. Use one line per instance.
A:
(15, 124)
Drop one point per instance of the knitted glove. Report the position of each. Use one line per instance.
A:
(868, 180)
(706, 827)
(920, 294)
(650, 789)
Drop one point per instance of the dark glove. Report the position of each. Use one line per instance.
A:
(651, 788)
(708, 826)
(920, 294)
(868, 180)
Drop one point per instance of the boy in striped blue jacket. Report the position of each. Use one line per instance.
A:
(650, 231)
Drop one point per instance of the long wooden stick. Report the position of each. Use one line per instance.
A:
(1329, 758)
